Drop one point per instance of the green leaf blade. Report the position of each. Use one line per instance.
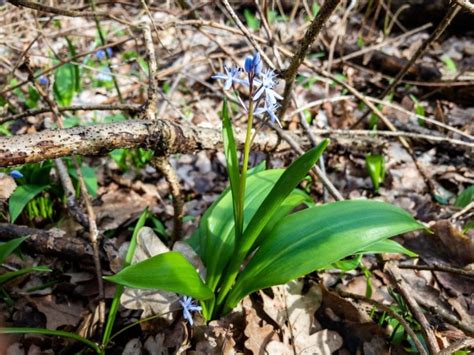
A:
(282, 188)
(168, 272)
(313, 238)
(8, 247)
(20, 198)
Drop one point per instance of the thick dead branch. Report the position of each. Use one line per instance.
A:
(54, 242)
(163, 136)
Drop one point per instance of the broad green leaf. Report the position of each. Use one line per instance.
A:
(90, 179)
(33, 97)
(308, 240)
(218, 228)
(12, 274)
(347, 264)
(20, 198)
(168, 272)
(465, 197)
(387, 246)
(7, 248)
(230, 150)
(252, 22)
(449, 64)
(65, 84)
(376, 167)
(282, 188)
(119, 290)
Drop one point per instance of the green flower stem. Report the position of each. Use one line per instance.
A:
(243, 174)
(234, 266)
(59, 333)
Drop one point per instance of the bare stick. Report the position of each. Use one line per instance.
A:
(415, 310)
(246, 32)
(452, 12)
(326, 182)
(466, 4)
(439, 267)
(466, 343)
(130, 108)
(392, 314)
(94, 239)
(397, 134)
(448, 318)
(162, 163)
(64, 12)
(311, 33)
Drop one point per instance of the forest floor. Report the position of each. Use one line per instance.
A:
(96, 71)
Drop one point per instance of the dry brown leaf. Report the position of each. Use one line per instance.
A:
(118, 207)
(294, 313)
(458, 245)
(7, 186)
(152, 301)
(58, 314)
(133, 347)
(258, 335)
(155, 345)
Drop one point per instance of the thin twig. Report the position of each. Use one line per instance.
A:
(65, 12)
(466, 343)
(162, 163)
(131, 108)
(466, 4)
(311, 33)
(94, 239)
(439, 267)
(415, 310)
(447, 317)
(398, 134)
(391, 313)
(246, 32)
(326, 182)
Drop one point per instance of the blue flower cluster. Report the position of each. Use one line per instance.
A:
(189, 305)
(16, 174)
(261, 84)
(43, 80)
(101, 54)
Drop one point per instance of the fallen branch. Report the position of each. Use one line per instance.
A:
(162, 136)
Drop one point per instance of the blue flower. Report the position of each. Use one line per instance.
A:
(230, 77)
(269, 109)
(100, 54)
(43, 80)
(104, 75)
(189, 306)
(16, 174)
(267, 83)
(109, 52)
(253, 64)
